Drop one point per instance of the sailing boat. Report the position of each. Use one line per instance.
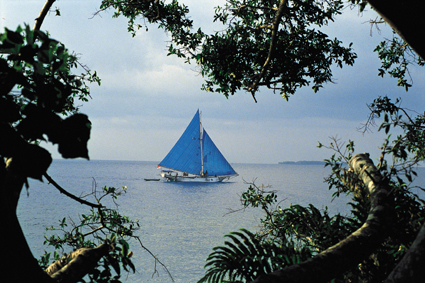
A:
(195, 158)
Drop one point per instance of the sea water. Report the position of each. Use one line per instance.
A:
(180, 222)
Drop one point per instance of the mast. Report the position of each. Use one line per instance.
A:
(200, 139)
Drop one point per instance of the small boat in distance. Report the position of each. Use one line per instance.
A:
(195, 158)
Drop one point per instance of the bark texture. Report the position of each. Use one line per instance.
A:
(348, 253)
(77, 264)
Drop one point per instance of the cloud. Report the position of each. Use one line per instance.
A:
(161, 80)
(147, 98)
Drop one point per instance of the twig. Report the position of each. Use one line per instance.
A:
(39, 20)
(68, 194)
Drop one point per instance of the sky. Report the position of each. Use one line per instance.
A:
(147, 99)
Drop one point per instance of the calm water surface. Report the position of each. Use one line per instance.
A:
(180, 223)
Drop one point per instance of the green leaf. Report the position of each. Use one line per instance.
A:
(115, 265)
(15, 37)
(125, 246)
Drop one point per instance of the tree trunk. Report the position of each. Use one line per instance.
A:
(336, 260)
(17, 262)
(407, 18)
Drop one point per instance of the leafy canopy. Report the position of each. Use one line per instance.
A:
(37, 92)
(276, 44)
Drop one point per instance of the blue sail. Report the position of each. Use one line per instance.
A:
(185, 156)
(214, 162)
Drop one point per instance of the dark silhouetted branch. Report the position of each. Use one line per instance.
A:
(68, 194)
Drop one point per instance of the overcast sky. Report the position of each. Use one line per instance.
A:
(147, 99)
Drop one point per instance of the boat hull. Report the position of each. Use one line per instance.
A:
(174, 177)
(194, 179)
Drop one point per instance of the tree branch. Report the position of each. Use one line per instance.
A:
(68, 194)
(39, 20)
(339, 258)
(275, 28)
(77, 264)
(257, 7)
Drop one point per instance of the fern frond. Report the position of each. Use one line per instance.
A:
(242, 258)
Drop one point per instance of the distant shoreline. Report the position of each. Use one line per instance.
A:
(303, 163)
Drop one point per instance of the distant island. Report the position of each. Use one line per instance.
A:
(303, 163)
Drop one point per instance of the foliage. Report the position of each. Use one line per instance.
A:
(173, 17)
(408, 148)
(408, 208)
(101, 225)
(260, 47)
(247, 256)
(40, 67)
(396, 56)
(38, 95)
(36, 90)
(276, 44)
(252, 50)
(297, 226)
(305, 231)
(288, 236)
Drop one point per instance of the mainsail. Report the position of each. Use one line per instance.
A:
(197, 156)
